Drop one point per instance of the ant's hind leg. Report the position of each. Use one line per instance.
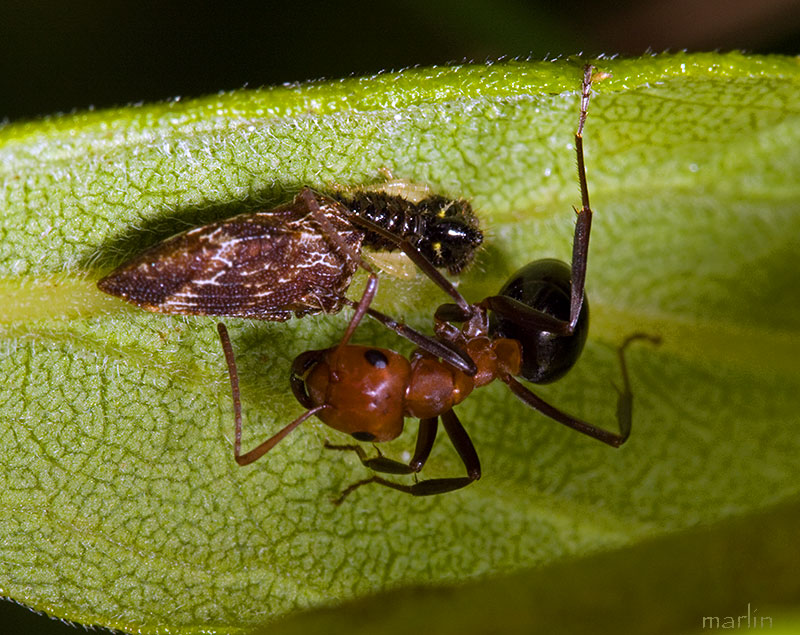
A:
(535, 319)
(425, 438)
(583, 224)
(462, 444)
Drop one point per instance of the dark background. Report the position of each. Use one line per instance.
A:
(58, 56)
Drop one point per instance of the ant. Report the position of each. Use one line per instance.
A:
(535, 328)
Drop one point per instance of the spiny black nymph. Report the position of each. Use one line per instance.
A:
(444, 230)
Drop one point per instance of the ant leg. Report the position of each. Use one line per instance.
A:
(583, 225)
(266, 446)
(425, 438)
(525, 315)
(445, 350)
(448, 353)
(463, 445)
(332, 235)
(624, 401)
(422, 488)
(414, 254)
(466, 450)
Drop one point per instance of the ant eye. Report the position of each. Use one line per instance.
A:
(376, 359)
(363, 436)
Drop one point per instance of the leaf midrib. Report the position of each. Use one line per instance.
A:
(758, 350)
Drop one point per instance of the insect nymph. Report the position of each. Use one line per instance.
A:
(295, 259)
(534, 328)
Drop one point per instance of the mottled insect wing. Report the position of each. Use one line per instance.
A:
(265, 265)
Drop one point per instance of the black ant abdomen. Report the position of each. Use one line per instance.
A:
(543, 285)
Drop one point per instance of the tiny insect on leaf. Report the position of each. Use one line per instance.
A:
(276, 263)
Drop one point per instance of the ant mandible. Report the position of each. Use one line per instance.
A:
(535, 328)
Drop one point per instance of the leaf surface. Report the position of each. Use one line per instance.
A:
(122, 503)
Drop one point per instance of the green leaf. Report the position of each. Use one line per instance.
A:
(122, 504)
(719, 572)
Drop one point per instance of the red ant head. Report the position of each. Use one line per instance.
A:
(363, 387)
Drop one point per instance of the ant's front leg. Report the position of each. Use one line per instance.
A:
(443, 348)
(336, 239)
(416, 257)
